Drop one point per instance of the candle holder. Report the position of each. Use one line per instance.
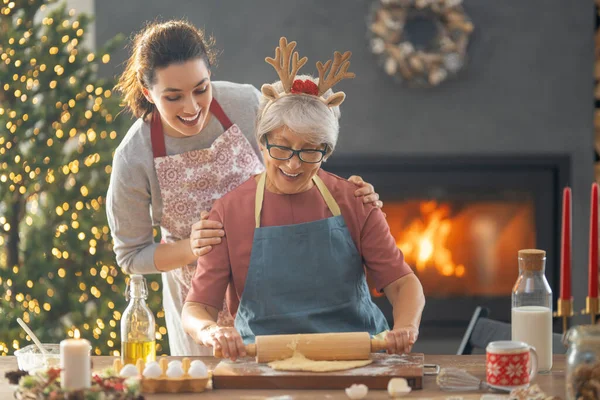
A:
(592, 308)
(564, 309)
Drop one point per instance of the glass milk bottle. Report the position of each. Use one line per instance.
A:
(531, 320)
(137, 324)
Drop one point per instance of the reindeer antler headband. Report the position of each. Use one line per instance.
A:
(284, 54)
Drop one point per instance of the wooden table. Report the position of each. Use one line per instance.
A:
(552, 384)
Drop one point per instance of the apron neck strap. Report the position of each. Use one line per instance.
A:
(156, 135)
(331, 203)
(217, 111)
(260, 194)
(156, 131)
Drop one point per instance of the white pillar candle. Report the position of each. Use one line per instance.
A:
(75, 363)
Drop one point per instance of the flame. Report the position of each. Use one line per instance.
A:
(76, 334)
(424, 241)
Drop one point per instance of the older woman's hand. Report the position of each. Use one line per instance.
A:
(366, 191)
(401, 340)
(204, 234)
(226, 339)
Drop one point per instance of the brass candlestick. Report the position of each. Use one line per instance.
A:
(592, 307)
(564, 309)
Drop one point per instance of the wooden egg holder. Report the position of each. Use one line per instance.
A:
(164, 384)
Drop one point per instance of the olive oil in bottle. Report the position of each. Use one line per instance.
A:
(137, 324)
(132, 351)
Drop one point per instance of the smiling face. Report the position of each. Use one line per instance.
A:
(182, 95)
(290, 176)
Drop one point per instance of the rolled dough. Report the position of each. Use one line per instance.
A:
(300, 363)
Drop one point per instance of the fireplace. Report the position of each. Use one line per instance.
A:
(463, 247)
(460, 222)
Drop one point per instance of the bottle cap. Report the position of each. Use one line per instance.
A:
(136, 287)
(532, 259)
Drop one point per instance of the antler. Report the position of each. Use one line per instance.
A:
(338, 71)
(281, 63)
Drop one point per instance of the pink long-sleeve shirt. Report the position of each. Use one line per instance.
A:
(223, 271)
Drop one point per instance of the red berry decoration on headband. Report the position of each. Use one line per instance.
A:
(287, 62)
(307, 87)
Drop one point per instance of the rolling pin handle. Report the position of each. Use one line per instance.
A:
(378, 345)
(250, 351)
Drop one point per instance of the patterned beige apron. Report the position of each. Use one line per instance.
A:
(189, 183)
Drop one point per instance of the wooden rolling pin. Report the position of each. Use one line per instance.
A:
(315, 346)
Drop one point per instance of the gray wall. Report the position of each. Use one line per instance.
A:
(528, 87)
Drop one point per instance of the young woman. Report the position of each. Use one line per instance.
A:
(193, 141)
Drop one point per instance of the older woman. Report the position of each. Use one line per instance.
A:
(296, 238)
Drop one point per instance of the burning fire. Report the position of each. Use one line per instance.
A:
(462, 247)
(424, 241)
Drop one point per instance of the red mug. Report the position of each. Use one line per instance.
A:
(510, 364)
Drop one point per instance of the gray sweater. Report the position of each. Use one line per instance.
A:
(134, 204)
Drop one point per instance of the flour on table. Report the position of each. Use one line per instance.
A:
(300, 363)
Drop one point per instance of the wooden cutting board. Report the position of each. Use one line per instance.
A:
(247, 374)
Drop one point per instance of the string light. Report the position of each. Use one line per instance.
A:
(70, 142)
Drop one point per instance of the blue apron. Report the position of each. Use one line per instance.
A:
(305, 278)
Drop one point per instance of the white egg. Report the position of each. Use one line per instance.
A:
(174, 371)
(398, 387)
(174, 363)
(198, 370)
(128, 371)
(152, 363)
(152, 370)
(357, 392)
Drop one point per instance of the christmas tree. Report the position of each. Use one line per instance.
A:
(58, 132)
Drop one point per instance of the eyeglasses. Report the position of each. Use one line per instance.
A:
(283, 153)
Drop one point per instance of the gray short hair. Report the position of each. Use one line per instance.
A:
(304, 114)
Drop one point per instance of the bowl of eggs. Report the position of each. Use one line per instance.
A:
(176, 376)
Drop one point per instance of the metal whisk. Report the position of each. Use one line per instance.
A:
(455, 379)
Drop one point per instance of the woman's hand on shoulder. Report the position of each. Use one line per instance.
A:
(366, 191)
(401, 340)
(226, 339)
(205, 234)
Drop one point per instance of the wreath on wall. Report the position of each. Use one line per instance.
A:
(428, 65)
